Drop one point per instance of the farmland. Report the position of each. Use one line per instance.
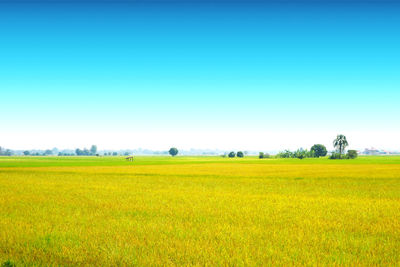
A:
(199, 211)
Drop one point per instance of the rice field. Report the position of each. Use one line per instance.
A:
(105, 211)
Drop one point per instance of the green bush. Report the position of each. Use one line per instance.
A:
(240, 154)
(300, 154)
(263, 155)
(352, 154)
(231, 154)
(285, 154)
(336, 156)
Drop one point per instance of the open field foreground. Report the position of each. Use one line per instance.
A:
(199, 211)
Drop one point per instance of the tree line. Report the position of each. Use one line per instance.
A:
(318, 150)
(5, 152)
(87, 152)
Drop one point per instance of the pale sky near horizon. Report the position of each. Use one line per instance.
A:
(259, 75)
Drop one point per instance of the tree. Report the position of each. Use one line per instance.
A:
(319, 150)
(231, 154)
(48, 152)
(115, 154)
(78, 152)
(93, 150)
(352, 154)
(27, 153)
(240, 154)
(300, 153)
(340, 143)
(173, 151)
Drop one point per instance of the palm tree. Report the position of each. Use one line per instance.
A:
(340, 143)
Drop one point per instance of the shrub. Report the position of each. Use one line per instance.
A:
(285, 154)
(352, 154)
(231, 154)
(335, 156)
(263, 155)
(300, 154)
(240, 154)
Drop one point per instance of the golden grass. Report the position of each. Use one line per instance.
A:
(218, 213)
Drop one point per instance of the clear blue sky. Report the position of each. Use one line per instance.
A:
(192, 70)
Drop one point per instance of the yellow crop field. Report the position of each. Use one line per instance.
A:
(105, 211)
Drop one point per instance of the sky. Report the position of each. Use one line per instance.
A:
(250, 75)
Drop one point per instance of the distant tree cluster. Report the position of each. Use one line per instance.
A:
(340, 143)
(29, 153)
(86, 152)
(316, 151)
(238, 154)
(351, 154)
(65, 154)
(299, 153)
(82, 152)
(113, 153)
(263, 155)
(47, 152)
(6, 152)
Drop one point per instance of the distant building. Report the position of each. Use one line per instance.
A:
(374, 151)
(371, 151)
